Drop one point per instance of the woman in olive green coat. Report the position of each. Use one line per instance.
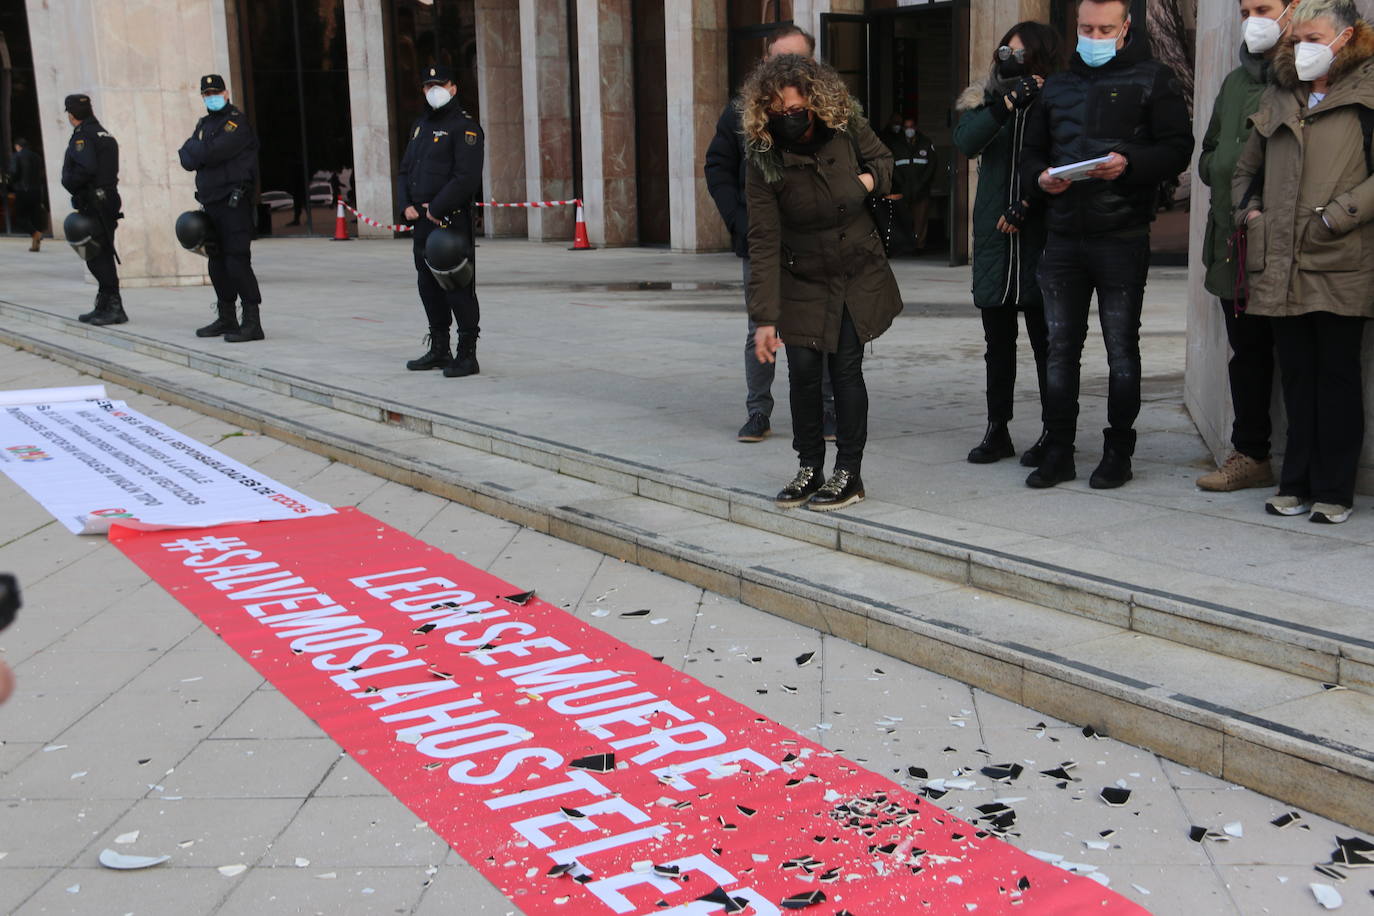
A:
(819, 282)
(1251, 367)
(1008, 224)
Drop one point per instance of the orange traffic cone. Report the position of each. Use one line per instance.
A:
(340, 224)
(580, 240)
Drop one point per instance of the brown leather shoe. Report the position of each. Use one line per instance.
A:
(1238, 472)
(37, 240)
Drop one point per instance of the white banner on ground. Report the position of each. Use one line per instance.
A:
(51, 395)
(95, 463)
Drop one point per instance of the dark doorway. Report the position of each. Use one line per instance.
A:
(651, 122)
(422, 33)
(912, 62)
(751, 22)
(18, 99)
(295, 93)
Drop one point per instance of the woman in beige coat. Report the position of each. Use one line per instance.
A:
(1306, 191)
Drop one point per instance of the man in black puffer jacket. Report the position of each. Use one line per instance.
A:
(1115, 101)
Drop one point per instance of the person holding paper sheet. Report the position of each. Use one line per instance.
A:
(1304, 189)
(1115, 100)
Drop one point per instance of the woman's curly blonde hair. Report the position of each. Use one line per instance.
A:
(818, 83)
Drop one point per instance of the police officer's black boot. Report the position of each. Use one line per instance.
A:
(227, 321)
(250, 328)
(96, 309)
(111, 311)
(437, 356)
(464, 358)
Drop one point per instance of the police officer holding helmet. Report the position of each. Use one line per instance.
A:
(440, 177)
(90, 173)
(223, 152)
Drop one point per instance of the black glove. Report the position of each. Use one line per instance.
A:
(1015, 215)
(1022, 92)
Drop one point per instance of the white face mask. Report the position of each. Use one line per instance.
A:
(1314, 60)
(910, 132)
(1262, 34)
(437, 96)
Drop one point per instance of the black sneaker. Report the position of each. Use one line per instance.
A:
(1055, 468)
(755, 429)
(844, 488)
(796, 493)
(829, 426)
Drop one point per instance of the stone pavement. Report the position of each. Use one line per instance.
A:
(129, 716)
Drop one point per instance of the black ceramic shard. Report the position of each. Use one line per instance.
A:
(521, 599)
(597, 763)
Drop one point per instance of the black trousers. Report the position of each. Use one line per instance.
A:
(231, 268)
(443, 308)
(28, 212)
(1319, 357)
(999, 332)
(1252, 380)
(102, 266)
(1071, 270)
(805, 368)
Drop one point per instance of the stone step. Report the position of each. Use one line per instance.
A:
(1281, 733)
(1156, 600)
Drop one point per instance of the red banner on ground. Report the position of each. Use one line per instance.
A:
(575, 772)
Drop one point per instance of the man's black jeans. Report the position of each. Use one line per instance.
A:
(805, 368)
(1071, 270)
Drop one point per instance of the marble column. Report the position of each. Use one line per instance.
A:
(545, 75)
(139, 60)
(370, 109)
(605, 58)
(697, 91)
(501, 101)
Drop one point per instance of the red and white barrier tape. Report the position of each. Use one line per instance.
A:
(526, 204)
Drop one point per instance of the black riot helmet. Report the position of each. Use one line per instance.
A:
(196, 233)
(448, 255)
(81, 232)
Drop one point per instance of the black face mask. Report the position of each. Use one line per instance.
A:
(1011, 68)
(789, 128)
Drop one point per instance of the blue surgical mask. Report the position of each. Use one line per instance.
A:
(215, 102)
(1096, 51)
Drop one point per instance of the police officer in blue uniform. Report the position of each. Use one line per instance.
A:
(440, 177)
(223, 152)
(90, 173)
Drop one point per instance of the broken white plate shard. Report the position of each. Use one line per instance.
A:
(53, 747)
(126, 838)
(1097, 844)
(301, 862)
(231, 871)
(1100, 878)
(74, 889)
(1234, 829)
(111, 859)
(79, 774)
(328, 874)
(1326, 895)
(601, 612)
(1141, 890)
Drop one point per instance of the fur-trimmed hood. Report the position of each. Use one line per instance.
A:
(972, 97)
(1357, 51)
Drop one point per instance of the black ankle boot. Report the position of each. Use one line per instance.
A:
(226, 322)
(1115, 468)
(1056, 467)
(464, 358)
(802, 487)
(250, 328)
(96, 308)
(844, 488)
(1032, 456)
(437, 356)
(111, 311)
(995, 446)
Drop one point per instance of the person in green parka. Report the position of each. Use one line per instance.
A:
(1008, 223)
(1251, 368)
